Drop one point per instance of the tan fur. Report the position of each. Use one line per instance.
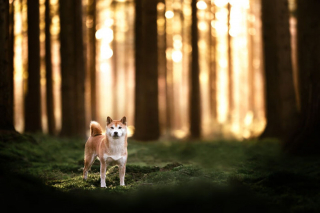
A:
(108, 149)
(95, 129)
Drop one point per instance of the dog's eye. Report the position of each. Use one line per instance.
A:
(112, 127)
(119, 127)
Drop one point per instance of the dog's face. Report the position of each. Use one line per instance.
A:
(116, 128)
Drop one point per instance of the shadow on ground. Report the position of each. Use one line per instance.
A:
(43, 173)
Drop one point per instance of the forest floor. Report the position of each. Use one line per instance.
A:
(41, 172)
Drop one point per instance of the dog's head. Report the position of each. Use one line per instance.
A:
(116, 128)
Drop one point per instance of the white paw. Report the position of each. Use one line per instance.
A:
(103, 185)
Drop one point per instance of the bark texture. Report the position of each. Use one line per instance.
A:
(281, 107)
(195, 116)
(49, 82)
(32, 101)
(92, 58)
(146, 62)
(305, 140)
(72, 68)
(6, 71)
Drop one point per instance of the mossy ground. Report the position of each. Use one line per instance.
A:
(193, 175)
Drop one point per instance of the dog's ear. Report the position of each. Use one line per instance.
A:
(109, 120)
(124, 120)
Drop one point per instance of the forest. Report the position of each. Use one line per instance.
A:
(221, 99)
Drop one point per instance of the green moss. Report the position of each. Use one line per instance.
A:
(188, 172)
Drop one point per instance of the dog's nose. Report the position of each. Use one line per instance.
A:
(115, 133)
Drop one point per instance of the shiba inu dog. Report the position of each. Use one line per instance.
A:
(110, 148)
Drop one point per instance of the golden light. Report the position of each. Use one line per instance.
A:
(249, 118)
(177, 44)
(161, 22)
(177, 37)
(221, 28)
(169, 53)
(202, 44)
(222, 102)
(179, 134)
(223, 63)
(221, 3)
(229, 54)
(89, 22)
(204, 78)
(130, 131)
(251, 18)
(203, 26)
(176, 5)
(160, 6)
(169, 14)
(105, 67)
(187, 11)
(252, 31)
(55, 19)
(201, 5)
(106, 53)
(234, 31)
(240, 3)
(176, 56)
(222, 13)
(108, 22)
(105, 33)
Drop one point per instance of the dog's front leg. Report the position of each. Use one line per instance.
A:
(103, 169)
(122, 172)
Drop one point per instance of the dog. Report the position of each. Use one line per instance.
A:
(110, 148)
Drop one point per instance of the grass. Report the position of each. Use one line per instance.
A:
(39, 171)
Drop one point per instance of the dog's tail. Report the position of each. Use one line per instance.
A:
(95, 129)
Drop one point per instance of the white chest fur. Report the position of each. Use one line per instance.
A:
(116, 149)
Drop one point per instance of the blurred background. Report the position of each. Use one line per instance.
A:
(100, 41)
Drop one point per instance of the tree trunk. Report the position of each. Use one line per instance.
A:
(195, 116)
(146, 62)
(6, 71)
(49, 83)
(80, 70)
(230, 69)
(162, 72)
(67, 67)
(213, 70)
(305, 140)
(11, 59)
(33, 99)
(281, 107)
(92, 58)
(72, 68)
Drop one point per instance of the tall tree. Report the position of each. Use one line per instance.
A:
(72, 68)
(213, 69)
(230, 68)
(6, 71)
(33, 99)
(281, 107)
(49, 82)
(195, 116)
(305, 140)
(92, 57)
(146, 63)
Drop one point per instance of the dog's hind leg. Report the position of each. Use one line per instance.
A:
(88, 161)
